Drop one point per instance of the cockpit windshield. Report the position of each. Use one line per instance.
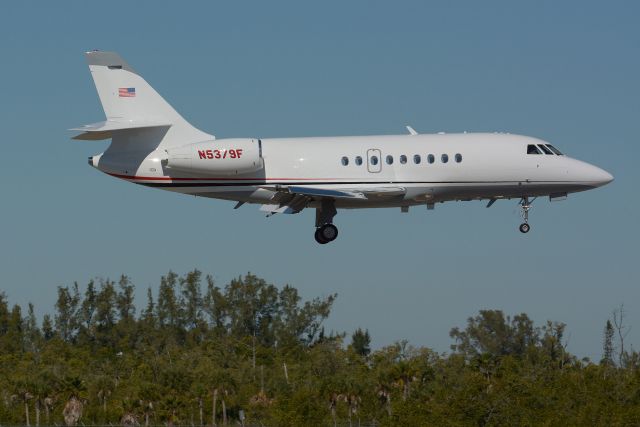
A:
(543, 148)
(554, 149)
(532, 149)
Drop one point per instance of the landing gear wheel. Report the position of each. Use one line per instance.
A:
(524, 228)
(327, 233)
(319, 238)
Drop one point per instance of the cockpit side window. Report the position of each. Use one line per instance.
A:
(545, 149)
(532, 149)
(554, 149)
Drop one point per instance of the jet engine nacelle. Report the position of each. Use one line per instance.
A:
(234, 156)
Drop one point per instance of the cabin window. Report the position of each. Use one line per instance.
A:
(403, 159)
(431, 158)
(345, 161)
(444, 158)
(374, 160)
(416, 159)
(389, 160)
(545, 149)
(532, 149)
(358, 160)
(554, 149)
(458, 158)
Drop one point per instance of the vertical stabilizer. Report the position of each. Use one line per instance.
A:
(128, 99)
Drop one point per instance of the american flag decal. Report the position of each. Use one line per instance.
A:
(127, 92)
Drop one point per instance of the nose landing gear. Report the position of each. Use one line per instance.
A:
(525, 205)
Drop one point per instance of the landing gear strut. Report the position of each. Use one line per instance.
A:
(525, 205)
(325, 230)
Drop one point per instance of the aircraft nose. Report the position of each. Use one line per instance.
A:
(597, 176)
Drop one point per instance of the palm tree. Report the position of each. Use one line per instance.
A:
(147, 394)
(404, 374)
(198, 391)
(72, 411)
(104, 392)
(20, 388)
(225, 384)
(129, 419)
(214, 398)
(353, 402)
(333, 405)
(48, 403)
(42, 394)
(147, 410)
(384, 397)
(25, 397)
(224, 407)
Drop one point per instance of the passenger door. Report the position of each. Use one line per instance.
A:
(374, 160)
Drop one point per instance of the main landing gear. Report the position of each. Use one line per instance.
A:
(325, 230)
(327, 233)
(525, 205)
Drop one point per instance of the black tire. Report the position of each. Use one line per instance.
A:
(319, 238)
(524, 227)
(329, 232)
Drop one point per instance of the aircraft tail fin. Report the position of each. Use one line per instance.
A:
(133, 108)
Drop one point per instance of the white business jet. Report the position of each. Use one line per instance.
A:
(152, 145)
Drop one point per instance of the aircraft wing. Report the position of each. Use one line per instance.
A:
(104, 130)
(293, 199)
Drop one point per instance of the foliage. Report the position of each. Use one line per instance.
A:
(254, 348)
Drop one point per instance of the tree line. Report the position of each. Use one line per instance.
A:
(250, 353)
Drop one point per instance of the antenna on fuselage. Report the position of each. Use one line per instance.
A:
(411, 130)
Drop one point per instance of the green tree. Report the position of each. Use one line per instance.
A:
(66, 317)
(607, 345)
(168, 310)
(361, 342)
(492, 333)
(125, 300)
(215, 306)
(32, 333)
(192, 299)
(48, 331)
(87, 312)
(301, 324)
(4, 314)
(105, 317)
(14, 337)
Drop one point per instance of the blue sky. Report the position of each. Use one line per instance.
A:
(566, 72)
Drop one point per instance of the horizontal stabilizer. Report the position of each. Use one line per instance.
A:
(104, 130)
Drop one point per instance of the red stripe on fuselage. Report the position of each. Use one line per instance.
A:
(168, 178)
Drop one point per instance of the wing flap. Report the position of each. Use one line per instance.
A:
(292, 206)
(333, 192)
(326, 192)
(383, 192)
